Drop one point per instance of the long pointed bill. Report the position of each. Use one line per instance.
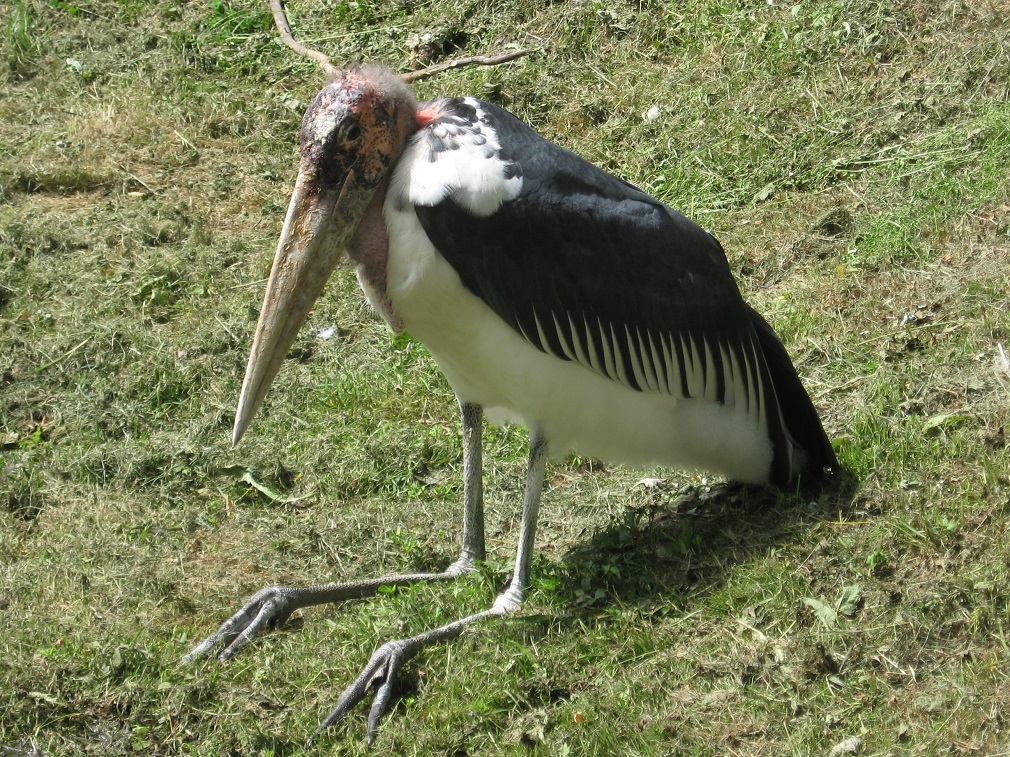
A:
(317, 225)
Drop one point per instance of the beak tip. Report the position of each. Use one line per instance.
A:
(238, 431)
(242, 420)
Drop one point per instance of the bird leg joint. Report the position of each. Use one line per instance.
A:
(466, 563)
(508, 601)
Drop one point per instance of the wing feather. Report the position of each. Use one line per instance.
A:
(579, 343)
(621, 361)
(638, 376)
(696, 378)
(654, 368)
(565, 339)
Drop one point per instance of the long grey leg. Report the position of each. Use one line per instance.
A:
(270, 607)
(387, 660)
(514, 595)
(473, 486)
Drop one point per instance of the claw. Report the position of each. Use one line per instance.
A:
(268, 608)
(399, 654)
(378, 674)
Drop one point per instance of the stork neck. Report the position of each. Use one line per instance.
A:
(369, 249)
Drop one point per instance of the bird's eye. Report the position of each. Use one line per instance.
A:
(350, 132)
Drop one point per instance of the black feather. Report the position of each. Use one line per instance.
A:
(798, 413)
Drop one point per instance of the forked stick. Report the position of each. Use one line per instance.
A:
(281, 20)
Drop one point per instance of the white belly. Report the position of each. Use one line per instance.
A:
(488, 363)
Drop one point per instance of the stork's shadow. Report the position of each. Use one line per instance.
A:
(672, 543)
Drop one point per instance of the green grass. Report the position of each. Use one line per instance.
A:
(852, 157)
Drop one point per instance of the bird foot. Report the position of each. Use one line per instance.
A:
(378, 674)
(268, 608)
(381, 670)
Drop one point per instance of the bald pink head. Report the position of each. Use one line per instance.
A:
(362, 119)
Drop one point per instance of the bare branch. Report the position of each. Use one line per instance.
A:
(281, 20)
(476, 60)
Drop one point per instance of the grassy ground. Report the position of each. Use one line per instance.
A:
(852, 155)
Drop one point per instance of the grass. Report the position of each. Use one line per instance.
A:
(851, 156)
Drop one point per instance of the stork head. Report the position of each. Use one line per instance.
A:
(351, 136)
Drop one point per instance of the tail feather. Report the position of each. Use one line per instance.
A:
(802, 424)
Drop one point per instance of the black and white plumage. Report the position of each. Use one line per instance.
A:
(631, 307)
(550, 293)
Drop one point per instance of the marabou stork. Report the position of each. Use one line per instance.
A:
(549, 292)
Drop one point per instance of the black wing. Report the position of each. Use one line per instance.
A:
(590, 269)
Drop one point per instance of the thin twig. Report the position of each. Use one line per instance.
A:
(137, 179)
(284, 28)
(602, 76)
(475, 60)
(62, 357)
(905, 329)
(225, 327)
